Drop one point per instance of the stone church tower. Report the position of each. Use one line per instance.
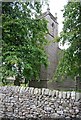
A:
(52, 48)
(52, 52)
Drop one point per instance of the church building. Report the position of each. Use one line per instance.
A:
(52, 51)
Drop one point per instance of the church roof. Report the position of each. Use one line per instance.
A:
(48, 13)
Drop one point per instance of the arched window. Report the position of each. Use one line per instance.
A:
(53, 29)
(52, 24)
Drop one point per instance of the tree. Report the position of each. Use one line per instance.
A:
(23, 40)
(70, 63)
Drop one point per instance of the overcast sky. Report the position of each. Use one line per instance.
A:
(55, 7)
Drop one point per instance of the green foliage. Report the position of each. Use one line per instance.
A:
(23, 40)
(70, 63)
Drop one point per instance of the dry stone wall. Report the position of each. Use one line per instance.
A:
(20, 102)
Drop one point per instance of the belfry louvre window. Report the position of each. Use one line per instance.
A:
(53, 26)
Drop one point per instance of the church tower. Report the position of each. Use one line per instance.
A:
(51, 50)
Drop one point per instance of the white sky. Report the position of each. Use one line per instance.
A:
(55, 7)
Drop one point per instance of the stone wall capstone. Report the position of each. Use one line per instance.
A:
(21, 102)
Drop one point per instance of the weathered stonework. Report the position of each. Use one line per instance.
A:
(20, 102)
(47, 74)
(51, 49)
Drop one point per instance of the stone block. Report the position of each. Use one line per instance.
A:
(36, 91)
(77, 96)
(64, 95)
(46, 92)
(68, 94)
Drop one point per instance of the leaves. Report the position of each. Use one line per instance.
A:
(70, 63)
(23, 40)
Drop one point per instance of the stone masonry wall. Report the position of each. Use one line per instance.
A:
(51, 50)
(20, 102)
